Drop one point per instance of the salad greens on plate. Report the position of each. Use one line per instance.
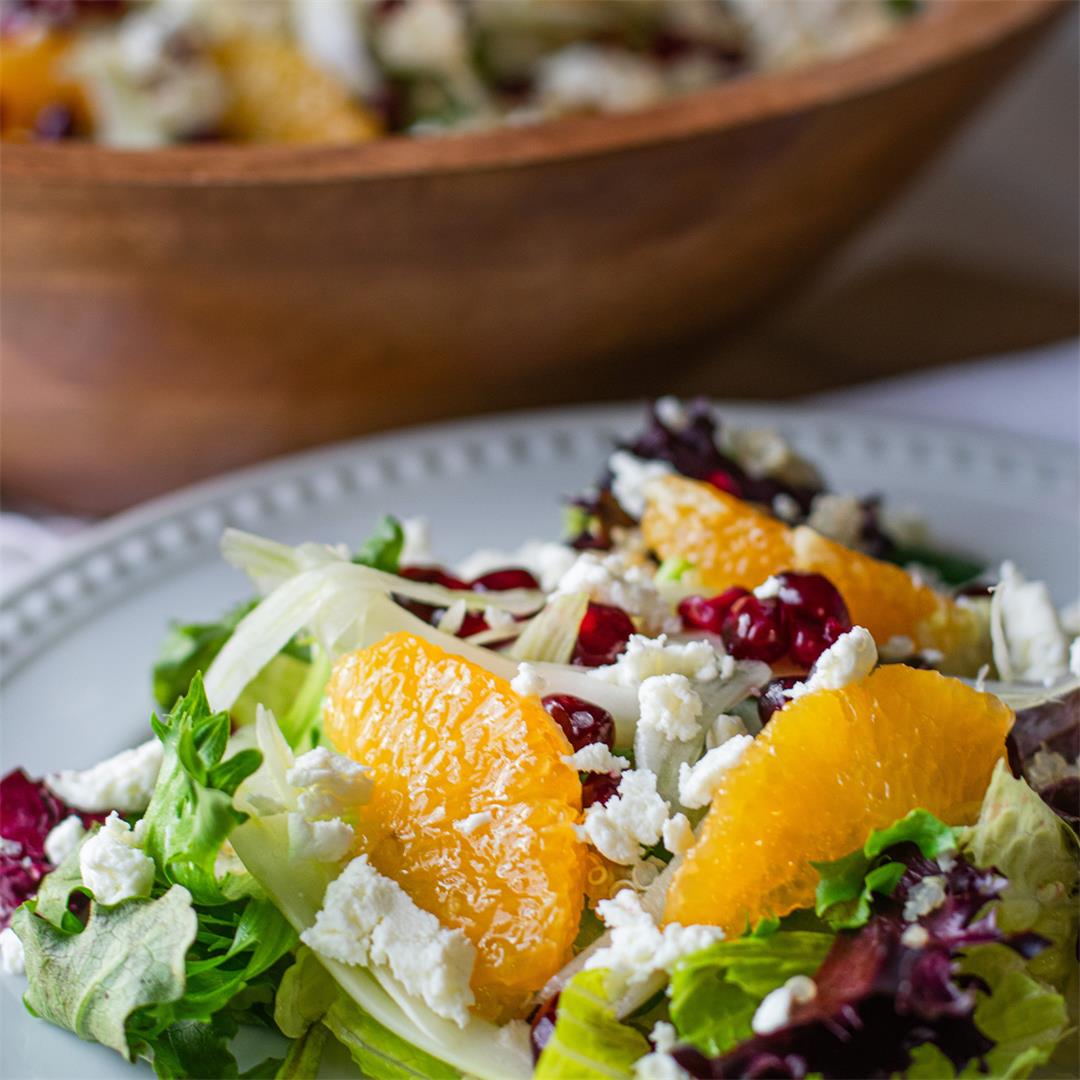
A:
(650, 802)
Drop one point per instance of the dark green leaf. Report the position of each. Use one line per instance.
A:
(192, 1048)
(952, 569)
(382, 549)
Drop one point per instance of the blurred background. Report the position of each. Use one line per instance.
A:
(771, 199)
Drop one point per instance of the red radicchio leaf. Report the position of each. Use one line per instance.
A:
(1053, 726)
(881, 993)
(28, 812)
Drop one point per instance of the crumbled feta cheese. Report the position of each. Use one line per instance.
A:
(528, 682)
(769, 589)
(659, 1065)
(12, 956)
(724, 727)
(839, 517)
(1028, 642)
(698, 783)
(585, 76)
(632, 819)
(11, 848)
(663, 1036)
(672, 413)
(468, 825)
(596, 758)
(774, 1012)
(638, 948)
(1074, 657)
(678, 836)
(63, 839)
(322, 841)
(847, 660)
(760, 451)
(330, 784)
(368, 919)
(629, 477)
(124, 782)
(612, 579)
(423, 35)
(331, 34)
(786, 508)
(113, 865)
(923, 897)
(915, 937)
(898, 647)
(645, 657)
(669, 705)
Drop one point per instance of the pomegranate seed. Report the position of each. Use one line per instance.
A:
(582, 722)
(501, 580)
(603, 634)
(542, 1025)
(598, 788)
(754, 629)
(707, 613)
(812, 598)
(773, 698)
(725, 482)
(808, 642)
(433, 575)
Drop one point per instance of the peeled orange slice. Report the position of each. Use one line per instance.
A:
(829, 768)
(33, 77)
(473, 807)
(277, 95)
(731, 543)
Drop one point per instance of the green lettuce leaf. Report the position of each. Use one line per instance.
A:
(380, 1053)
(304, 1057)
(715, 992)
(848, 885)
(382, 549)
(56, 889)
(588, 1042)
(128, 958)
(191, 812)
(194, 1048)
(307, 990)
(1021, 836)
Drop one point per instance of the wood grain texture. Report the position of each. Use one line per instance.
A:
(172, 313)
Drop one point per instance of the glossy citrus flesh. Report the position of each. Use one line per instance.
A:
(277, 95)
(826, 770)
(445, 739)
(33, 77)
(732, 543)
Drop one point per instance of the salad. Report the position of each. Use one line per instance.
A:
(742, 778)
(157, 72)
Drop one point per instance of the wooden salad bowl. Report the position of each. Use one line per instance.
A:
(170, 313)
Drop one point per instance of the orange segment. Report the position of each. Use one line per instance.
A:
(828, 769)
(732, 543)
(277, 95)
(33, 76)
(445, 740)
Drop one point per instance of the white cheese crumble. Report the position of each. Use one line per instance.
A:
(769, 589)
(638, 948)
(368, 919)
(839, 517)
(528, 682)
(915, 937)
(330, 784)
(423, 35)
(669, 704)
(645, 657)
(322, 841)
(898, 647)
(786, 508)
(594, 77)
(113, 865)
(659, 1065)
(124, 782)
(631, 819)
(468, 825)
(612, 579)
(847, 660)
(672, 413)
(12, 956)
(678, 836)
(774, 1012)
(698, 783)
(63, 839)
(1028, 642)
(923, 897)
(663, 1036)
(596, 758)
(630, 475)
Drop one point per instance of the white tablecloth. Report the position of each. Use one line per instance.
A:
(1035, 393)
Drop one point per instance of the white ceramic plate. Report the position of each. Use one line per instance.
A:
(78, 640)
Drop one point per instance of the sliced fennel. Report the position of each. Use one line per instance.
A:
(552, 634)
